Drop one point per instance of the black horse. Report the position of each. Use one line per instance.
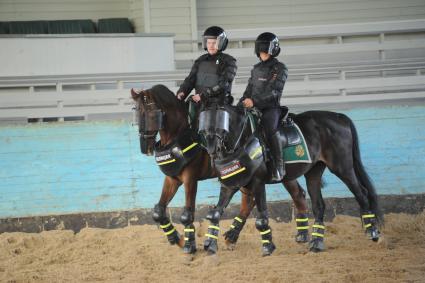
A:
(183, 161)
(332, 142)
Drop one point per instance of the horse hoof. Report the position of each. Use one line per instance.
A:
(302, 238)
(268, 249)
(210, 246)
(230, 246)
(317, 246)
(189, 248)
(231, 236)
(373, 234)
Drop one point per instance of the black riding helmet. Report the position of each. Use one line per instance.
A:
(218, 33)
(267, 42)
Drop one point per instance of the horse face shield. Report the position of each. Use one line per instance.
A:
(150, 122)
(214, 126)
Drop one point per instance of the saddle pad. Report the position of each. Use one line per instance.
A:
(297, 153)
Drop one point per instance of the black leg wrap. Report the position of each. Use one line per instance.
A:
(262, 225)
(317, 244)
(169, 231)
(302, 228)
(370, 225)
(189, 239)
(211, 242)
(232, 235)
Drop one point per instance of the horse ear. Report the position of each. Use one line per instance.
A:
(136, 93)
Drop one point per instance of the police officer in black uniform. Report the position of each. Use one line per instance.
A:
(212, 74)
(264, 91)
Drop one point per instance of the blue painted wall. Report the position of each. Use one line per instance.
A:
(97, 166)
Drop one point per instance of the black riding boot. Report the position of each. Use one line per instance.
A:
(278, 170)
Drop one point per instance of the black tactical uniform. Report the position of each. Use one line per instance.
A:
(265, 88)
(212, 75)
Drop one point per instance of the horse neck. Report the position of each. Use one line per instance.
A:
(173, 127)
(239, 133)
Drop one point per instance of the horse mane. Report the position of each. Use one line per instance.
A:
(165, 99)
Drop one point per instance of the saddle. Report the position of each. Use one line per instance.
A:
(286, 127)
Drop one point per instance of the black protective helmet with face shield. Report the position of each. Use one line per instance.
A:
(267, 42)
(217, 33)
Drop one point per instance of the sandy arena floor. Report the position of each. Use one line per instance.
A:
(142, 254)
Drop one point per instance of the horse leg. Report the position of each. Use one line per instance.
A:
(314, 180)
(262, 221)
(232, 235)
(159, 215)
(188, 215)
(369, 219)
(214, 215)
(298, 196)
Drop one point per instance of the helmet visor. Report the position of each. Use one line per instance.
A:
(220, 39)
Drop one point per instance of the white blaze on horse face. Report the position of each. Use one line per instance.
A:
(212, 46)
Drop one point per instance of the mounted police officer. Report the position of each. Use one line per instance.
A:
(264, 91)
(212, 74)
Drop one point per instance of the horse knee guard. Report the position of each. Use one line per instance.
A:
(262, 223)
(213, 216)
(187, 216)
(158, 214)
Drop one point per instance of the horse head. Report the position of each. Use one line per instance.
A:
(149, 117)
(221, 128)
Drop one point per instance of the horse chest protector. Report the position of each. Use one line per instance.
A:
(172, 158)
(237, 169)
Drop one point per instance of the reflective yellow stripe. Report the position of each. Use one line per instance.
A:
(211, 236)
(368, 216)
(368, 225)
(255, 153)
(170, 232)
(265, 241)
(265, 232)
(234, 173)
(301, 219)
(186, 239)
(214, 227)
(318, 226)
(166, 162)
(317, 235)
(303, 228)
(232, 226)
(190, 146)
(165, 226)
(189, 230)
(238, 219)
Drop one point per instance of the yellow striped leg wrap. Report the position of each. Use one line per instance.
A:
(301, 219)
(170, 232)
(189, 230)
(368, 225)
(265, 232)
(318, 230)
(265, 241)
(165, 226)
(214, 227)
(211, 236)
(368, 216)
(238, 219)
(303, 227)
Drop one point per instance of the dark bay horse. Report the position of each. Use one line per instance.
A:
(183, 161)
(332, 143)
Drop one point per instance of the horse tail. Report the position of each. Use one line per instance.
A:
(363, 177)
